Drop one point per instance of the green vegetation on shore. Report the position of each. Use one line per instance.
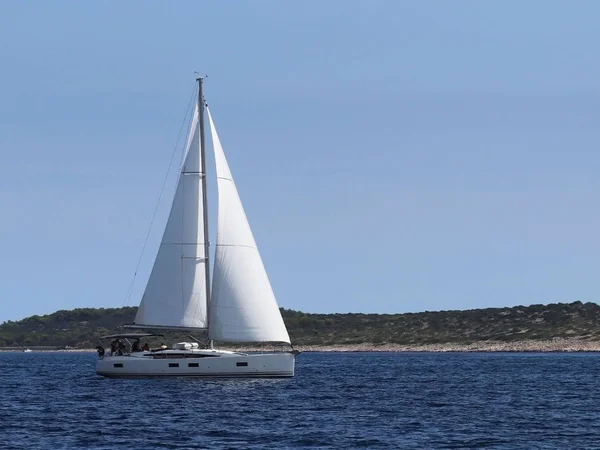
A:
(82, 327)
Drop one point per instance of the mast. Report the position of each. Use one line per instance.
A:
(204, 201)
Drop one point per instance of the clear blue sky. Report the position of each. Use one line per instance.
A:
(392, 156)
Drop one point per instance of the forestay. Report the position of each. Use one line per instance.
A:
(243, 307)
(176, 291)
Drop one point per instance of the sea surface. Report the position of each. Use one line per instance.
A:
(336, 400)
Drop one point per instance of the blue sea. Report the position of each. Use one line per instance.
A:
(336, 400)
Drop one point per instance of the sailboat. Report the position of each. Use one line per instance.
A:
(239, 306)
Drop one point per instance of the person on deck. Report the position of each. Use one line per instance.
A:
(136, 346)
(113, 348)
(163, 346)
(120, 348)
(146, 347)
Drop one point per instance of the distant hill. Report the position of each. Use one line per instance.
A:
(82, 327)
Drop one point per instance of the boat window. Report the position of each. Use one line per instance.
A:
(173, 364)
(242, 364)
(118, 365)
(168, 356)
(192, 364)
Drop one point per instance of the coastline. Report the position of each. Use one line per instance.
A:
(553, 345)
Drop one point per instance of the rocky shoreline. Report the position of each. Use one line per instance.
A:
(554, 345)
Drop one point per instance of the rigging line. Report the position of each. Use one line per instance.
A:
(162, 189)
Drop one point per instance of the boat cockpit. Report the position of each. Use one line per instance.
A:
(122, 346)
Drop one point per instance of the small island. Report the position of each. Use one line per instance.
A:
(552, 327)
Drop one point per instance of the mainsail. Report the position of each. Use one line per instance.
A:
(243, 307)
(175, 295)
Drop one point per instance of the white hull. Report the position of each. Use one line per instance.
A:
(221, 365)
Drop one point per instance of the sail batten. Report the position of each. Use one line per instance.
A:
(243, 307)
(176, 292)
